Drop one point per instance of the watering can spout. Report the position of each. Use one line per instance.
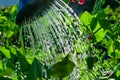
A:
(25, 9)
(22, 3)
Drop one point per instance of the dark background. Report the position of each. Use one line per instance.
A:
(76, 7)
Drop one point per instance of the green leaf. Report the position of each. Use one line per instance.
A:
(98, 6)
(9, 34)
(86, 18)
(1, 66)
(117, 54)
(110, 46)
(93, 23)
(101, 15)
(23, 62)
(117, 44)
(14, 11)
(107, 9)
(30, 56)
(97, 28)
(6, 73)
(12, 26)
(5, 52)
(118, 73)
(100, 34)
(90, 62)
(12, 49)
(67, 1)
(35, 71)
(2, 19)
(7, 14)
(62, 69)
(4, 78)
(104, 23)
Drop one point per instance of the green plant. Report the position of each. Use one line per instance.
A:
(102, 37)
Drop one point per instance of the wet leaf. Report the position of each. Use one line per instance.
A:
(35, 71)
(62, 69)
(23, 62)
(90, 62)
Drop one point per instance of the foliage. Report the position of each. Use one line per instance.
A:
(104, 39)
(15, 64)
(60, 71)
(102, 36)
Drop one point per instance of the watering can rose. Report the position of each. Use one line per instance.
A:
(79, 1)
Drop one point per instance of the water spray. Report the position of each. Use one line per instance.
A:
(51, 27)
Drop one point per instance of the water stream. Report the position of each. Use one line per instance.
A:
(54, 31)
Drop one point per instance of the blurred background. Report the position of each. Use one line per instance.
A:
(88, 6)
(4, 3)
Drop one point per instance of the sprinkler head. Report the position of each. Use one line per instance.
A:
(27, 8)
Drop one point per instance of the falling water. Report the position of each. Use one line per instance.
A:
(54, 32)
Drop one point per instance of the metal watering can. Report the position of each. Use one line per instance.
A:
(27, 8)
(22, 3)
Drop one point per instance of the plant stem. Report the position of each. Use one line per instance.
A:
(21, 40)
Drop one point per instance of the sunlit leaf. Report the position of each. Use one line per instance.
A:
(2, 19)
(12, 26)
(14, 11)
(110, 46)
(117, 53)
(5, 52)
(9, 34)
(100, 34)
(62, 69)
(12, 49)
(1, 66)
(86, 18)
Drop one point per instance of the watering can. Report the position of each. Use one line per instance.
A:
(25, 9)
(22, 3)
